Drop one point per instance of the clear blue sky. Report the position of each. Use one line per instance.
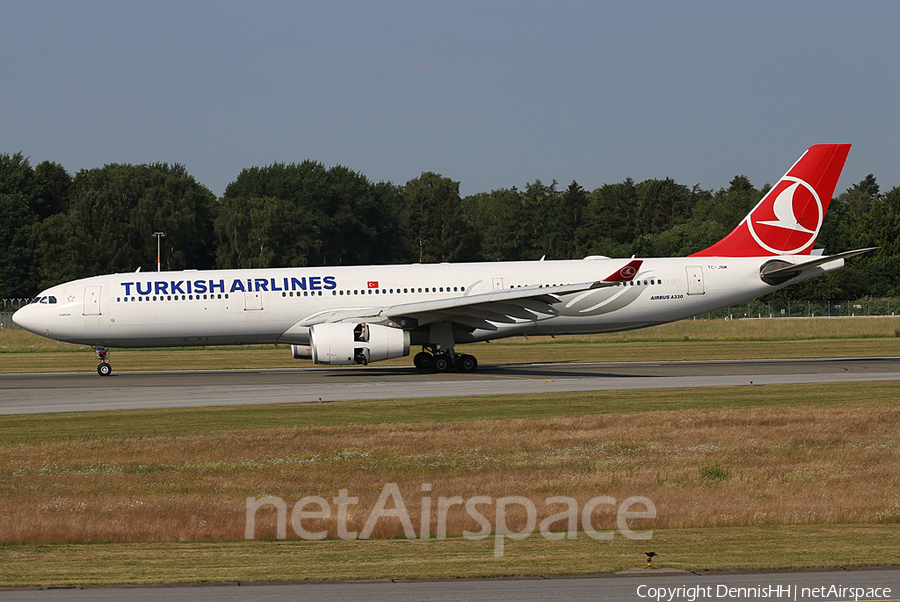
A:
(492, 94)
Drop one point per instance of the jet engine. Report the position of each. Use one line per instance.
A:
(301, 352)
(343, 343)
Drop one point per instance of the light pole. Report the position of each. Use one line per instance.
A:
(158, 235)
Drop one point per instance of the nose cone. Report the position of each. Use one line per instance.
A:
(21, 317)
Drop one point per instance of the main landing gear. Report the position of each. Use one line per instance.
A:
(104, 369)
(444, 360)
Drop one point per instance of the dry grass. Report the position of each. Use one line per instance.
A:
(783, 466)
(14, 340)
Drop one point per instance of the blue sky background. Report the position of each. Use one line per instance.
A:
(492, 94)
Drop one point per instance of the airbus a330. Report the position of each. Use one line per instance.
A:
(358, 315)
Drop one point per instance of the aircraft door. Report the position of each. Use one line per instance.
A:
(695, 280)
(252, 301)
(92, 300)
(498, 284)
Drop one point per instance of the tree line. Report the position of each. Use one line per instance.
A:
(56, 227)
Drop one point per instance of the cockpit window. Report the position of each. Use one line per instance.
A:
(51, 299)
(44, 300)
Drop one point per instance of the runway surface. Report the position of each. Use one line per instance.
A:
(80, 392)
(814, 585)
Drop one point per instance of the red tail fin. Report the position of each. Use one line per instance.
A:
(788, 219)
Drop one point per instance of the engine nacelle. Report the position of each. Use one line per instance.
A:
(344, 343)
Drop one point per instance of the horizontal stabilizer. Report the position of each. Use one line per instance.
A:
(778, 272)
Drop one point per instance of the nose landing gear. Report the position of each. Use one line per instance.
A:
(104, 369)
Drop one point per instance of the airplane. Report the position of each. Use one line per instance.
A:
(354, 315)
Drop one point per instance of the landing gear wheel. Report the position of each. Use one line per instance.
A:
(104, 369)
(423, 361)
(441, 363)
(467, 363)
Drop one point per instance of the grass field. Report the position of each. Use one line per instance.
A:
(724, 548)
(741, 478)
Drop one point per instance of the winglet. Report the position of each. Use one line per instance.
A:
(625, 273)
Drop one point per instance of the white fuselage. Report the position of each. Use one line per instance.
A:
(253, 306)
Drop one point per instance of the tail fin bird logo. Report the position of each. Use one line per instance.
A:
(627, 272)
(797, 212)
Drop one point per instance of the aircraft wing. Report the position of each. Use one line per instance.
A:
(480, 310)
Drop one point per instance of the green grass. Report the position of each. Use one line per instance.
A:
(753, 548)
